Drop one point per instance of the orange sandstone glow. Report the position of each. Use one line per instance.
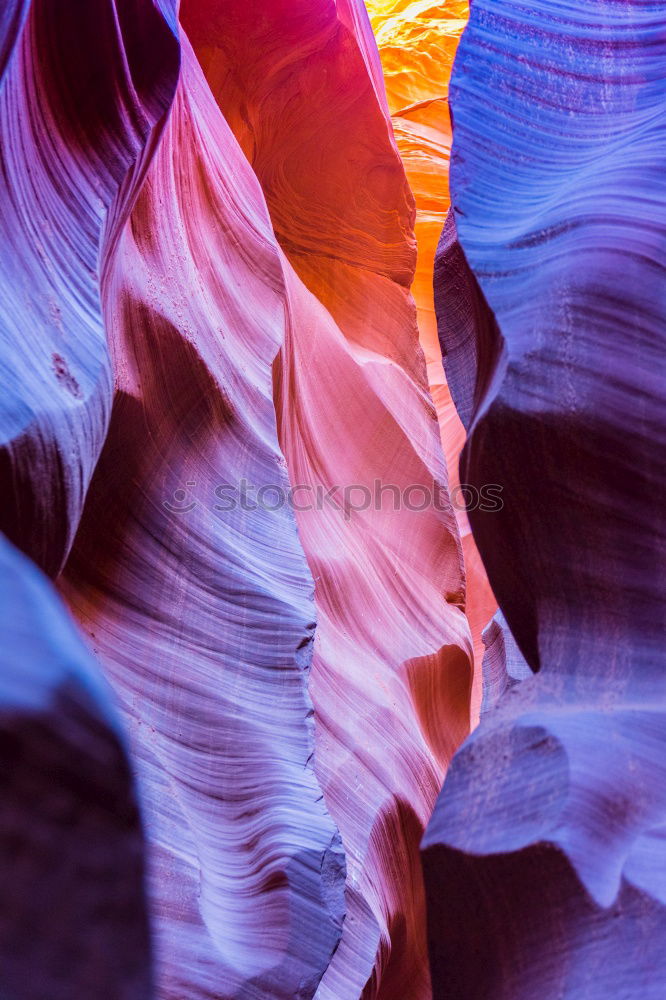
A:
(417, 42)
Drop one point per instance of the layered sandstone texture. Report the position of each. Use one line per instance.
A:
(545, 858)
(208, 243)
(417, 43)
(303, 92)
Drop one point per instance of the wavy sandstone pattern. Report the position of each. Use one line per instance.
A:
(546, 849)
(302, 89)
(417, 43)
(73, 144)
(159, 292)
(203, 617)
(382, 680)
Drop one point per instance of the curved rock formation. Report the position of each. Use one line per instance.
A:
(154, 274)
(504, 665)
(417, 43)
(73, 921)
(546, 851)
(73, 144)
(199, 603)
(390, 672)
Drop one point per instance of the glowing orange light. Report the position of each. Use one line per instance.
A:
(417, 41)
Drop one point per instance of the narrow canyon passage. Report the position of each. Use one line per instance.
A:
(331, 524)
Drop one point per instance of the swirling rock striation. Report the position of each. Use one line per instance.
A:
(12, 17)
(391, 667)
(200, 605)
(165, 297)
(73, 143)
(417, 43)
(74, 919)
(545, 854)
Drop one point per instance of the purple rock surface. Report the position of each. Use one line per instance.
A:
(82, 94)
(503, 665)
(73, 919)
(545, 857)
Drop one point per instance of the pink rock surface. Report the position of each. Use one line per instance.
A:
(504, 666)
(391, 672)
(203, 618)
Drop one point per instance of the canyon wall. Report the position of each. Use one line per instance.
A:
(546, 850)
(417, 43)
(207, 317)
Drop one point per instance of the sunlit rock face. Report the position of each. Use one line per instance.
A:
(74, 920)
(545, 854)
(417, 44)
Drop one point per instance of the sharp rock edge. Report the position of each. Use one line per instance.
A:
(417, 44)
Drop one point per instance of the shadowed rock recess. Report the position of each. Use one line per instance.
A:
(74, 919)
(546, 855)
